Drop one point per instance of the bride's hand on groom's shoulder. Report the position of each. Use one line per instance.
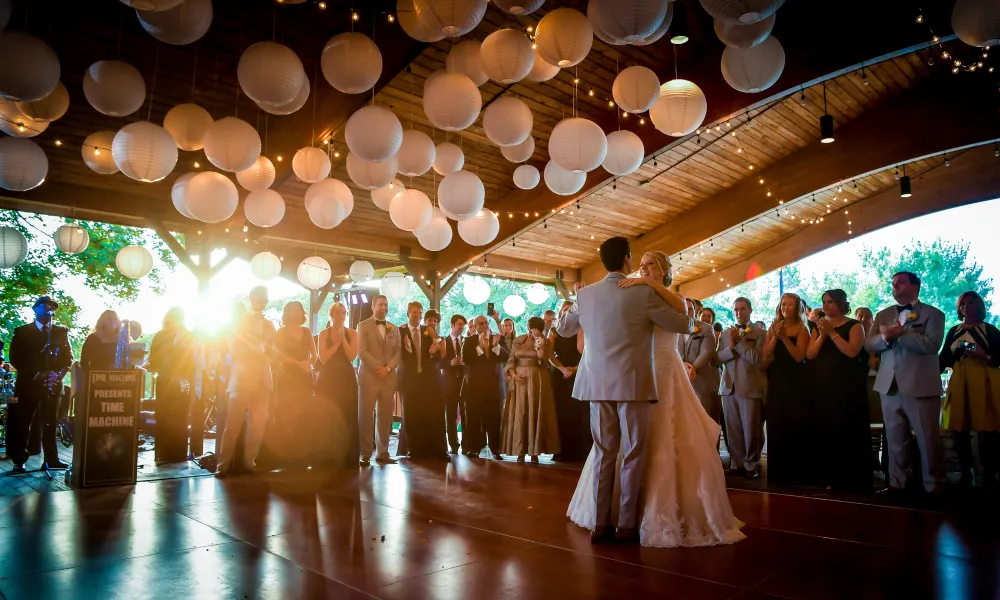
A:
(627, 283)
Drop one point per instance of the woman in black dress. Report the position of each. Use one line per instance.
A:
(572, 416)
(171, 357)
(291, 434)
(98, 351)
(337, 388)
(789, 430)
(838, 372)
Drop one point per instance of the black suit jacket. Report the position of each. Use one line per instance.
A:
(484, 374)
(452, 376)
(26, 355)
(407, 370)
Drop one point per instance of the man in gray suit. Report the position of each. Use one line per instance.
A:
(906, 338)
(380, 352)
(698, 353)
(616, 377)
(742, 390)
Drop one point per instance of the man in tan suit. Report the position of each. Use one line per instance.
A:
(380, 352)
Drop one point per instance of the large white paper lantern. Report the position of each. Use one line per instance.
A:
(537, 293)
(96, 152)
(184, 24)
(188, 124)
(211, 197)
(519, 7)
(660, 31)
(265, 265)
(232, 144)
(481, 229)
(382, 197)
(154, 5)
(680, 109)
(754, 69)
(351, 62)
(452, 101)
(289, 108)
(578, 145)
(410, 210)
(977, 22)
(519, 152)
(23, 164)
(436, 235)
(370, 175)
(475, 289)
(414, 27)
(507, 121)
(636, 89)
(448, 158)
(507, 56)
(514, 306)
(465, 58)
(29, 69)
(311, 165)
(314, 272)
(626, 22)
(527, 177)
(744, 11)
(561, 181)
(462, 194)
(15, 123)
(361, 271)
(49, 108)
(13, 247)
(265, 208)
(541, 70)
(178, 191)
(734, 33)
(416, 154)
(144, 151)
(330, 190)
(325, 211)
(394, 286)
(374, 133)
(451, 18)
(564, 37)
(71, 238)
(270, 72)
(134, 261)
(625, 153)
(259, 176)
(114, 88)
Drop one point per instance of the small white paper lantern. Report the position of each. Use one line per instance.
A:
(519, 7)
(259, 176)
(265, 265)
(561, 181)
(134, 261)
(416, 153)
(49, 108)
(114, 88)
(564, 37)
(232, 144)
(23, 164)
(625, 153)
(362, 271)
(294, 105)
(452, 101)
(541, 70)
(578, 145)
(465, 58)
(325, 211)
(977, 22)
(744, 11)
(519, 152)
(154, 5)
(334, 189)
(270, 72)
(680, 109)
(507, 121)
(448, 158)
(311, 165)
(71, 238)
(475, 289)
(13, 247)
(184, 24)
(351, 63)
(636, 89)
(15, 123)
(188, 124)
(96, 152)
(414, 27)
(382, 197)
(410, 210)
(436, 235)
(144, 151)
(514, 306)
(178, 191)
(370, 175)
(734, 33)
(211, 197)
(537, 293)
(462, 194)
(30, 68)
(481, 229)
(374, 133)
(526, 177)
(754, 69)
(507, 56)
(394, 286)
(452, 18)
(265, 208)
(314, 272)
(626, 22)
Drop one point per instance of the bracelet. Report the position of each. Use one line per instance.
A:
(834, 336)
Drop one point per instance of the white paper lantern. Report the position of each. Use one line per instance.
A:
(734, 33)
(294, 105)
(265, 265)
(23, 164)
(754, 69)
(475, 289)
(519, 7)
(49, 108)
(188, 124)
(414, 27)
(6, 8)
(626, 22)
(526, 177)
(211, 197)
(134, 261)
(382, 197)
(416, 153)
(369, 175)
(564, 37)
(374, 133)
(325, 211)
(578, 145)
(520, 152)
(314, 272)
(660, 31)
(462, 194)
(351, 62)
(265, 208)
(394, 286)
(448, 158)
(507, 121)
(154, 5)
(29, 69)
(96, 152)
(680, 109)
(977, 22)
(232, 144)
(452, 18)
(537, 293)
(13, 247)
(636, 89)
(15, 123)
(561, 181)
(71, 238)
(436, 235)
(541, 70)
(144, 151)
(452, 101)
(481, 229)
(329, 190)
(507, 56)
(311, 165)
(513, 306)
(184, 24)
(259, 176)
(270, 72)
(465, 58)
(177, 192)
(744, 11)
(114, 88)
(410, 210)
(625, 153)
(362, 271)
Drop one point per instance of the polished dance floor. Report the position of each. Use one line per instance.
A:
(474, 529)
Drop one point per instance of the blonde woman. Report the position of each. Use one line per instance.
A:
(99, 348)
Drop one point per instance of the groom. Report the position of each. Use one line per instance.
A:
(616, 377)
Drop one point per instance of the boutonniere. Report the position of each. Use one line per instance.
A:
(388, 326)
(912, 316)
(427, 333)
(746, 331)
(696, 329)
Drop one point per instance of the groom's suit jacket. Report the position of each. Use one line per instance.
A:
(617, 363)
(908, 361)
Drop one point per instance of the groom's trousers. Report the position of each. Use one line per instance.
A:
(614, 425)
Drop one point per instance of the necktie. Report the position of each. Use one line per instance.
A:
(900, 309)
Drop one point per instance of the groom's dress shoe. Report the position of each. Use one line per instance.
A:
(602, 534)
(626, 535)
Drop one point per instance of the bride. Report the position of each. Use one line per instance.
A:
(683, 496)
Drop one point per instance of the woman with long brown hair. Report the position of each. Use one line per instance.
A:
(290, 435)
(337, 388)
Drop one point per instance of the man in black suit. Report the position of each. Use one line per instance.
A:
(41, 354)
(484, 390)
(420, 434)
(452, 375)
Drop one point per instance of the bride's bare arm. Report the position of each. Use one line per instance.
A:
(673, 299)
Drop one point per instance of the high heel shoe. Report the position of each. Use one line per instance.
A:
(520, 458)
(534, 459)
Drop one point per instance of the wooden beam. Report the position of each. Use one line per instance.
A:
(450, 283)
(179, 251)
(561, 288)
(404, 257)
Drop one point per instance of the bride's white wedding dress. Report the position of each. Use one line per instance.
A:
(683, 499)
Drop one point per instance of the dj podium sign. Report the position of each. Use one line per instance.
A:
(106, 448)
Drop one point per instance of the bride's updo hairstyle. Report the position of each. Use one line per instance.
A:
(666, 267)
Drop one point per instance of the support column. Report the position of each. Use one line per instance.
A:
(316, 300)
(203, 270)
(561, 286)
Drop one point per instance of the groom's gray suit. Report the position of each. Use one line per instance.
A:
(616, 377)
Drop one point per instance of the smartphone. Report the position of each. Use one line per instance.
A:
(489, 309)
(967, 346)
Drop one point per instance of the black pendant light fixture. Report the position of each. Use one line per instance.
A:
(825, 122)
(678, 27)
(904, 185)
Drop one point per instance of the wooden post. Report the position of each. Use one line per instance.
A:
(561, 286)
(316, 300)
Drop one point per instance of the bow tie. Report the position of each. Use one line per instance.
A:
(377, 322)
(900, 309)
